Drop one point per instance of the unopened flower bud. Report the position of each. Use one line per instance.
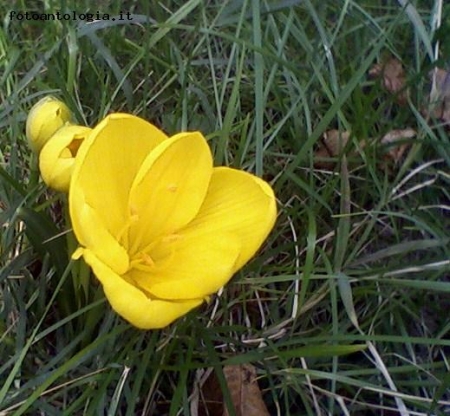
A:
(45, 118)
(57, 157)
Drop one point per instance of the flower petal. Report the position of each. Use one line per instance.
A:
(57, 157)
(105, 167)
(169, 188)
(94, 235)
(132, 304)
(191, 264)
(239, 203)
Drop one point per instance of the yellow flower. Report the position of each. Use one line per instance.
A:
(46, 117)
(57, 157)
(161, 228)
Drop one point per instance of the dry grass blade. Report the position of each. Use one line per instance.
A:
(396, 141)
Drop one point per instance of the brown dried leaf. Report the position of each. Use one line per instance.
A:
(397, 150)
(393, 76)
(333, 141)
(245, 393)
(440, 94)
(207, 398)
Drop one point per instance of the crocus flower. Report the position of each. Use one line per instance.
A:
(46, 117)
(161, 228)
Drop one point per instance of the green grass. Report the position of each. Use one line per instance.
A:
(344, 311)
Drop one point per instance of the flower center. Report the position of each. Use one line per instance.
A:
(156, 254)
(142, 261)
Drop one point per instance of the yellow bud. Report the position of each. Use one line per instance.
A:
(57, 157)
(45, 118)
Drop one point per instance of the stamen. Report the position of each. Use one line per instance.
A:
(143, 262)
(122, 236)
(149, 247)
(143, 267)
(147, 259)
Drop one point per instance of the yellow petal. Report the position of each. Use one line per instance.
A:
(170, 187)
(132, 304)
(105, 168)
(95, 236)
(241, 204)
(192, 264)
(46, 117)
(57, 157)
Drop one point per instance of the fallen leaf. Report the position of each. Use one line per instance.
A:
(331, 146)
(395, 139)
(207, 398)
(333, 142)
(245, 393)
(393, 76)
(440, 94)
